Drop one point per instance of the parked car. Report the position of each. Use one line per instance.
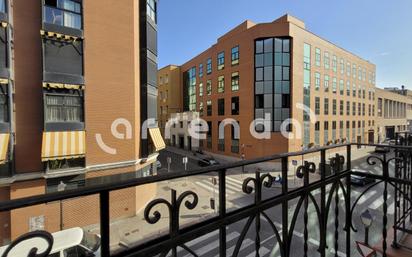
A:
(207, 162)
(385, 146)
(198, 151)
(361, 180)
(74, 242)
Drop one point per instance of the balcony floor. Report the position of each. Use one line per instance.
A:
(393, 252)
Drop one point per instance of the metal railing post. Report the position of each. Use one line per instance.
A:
(285, 210)
(105, 223)
(348, 202)
(322, 247)
(222, 212)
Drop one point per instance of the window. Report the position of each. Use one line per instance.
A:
(354, 90)
(317, 57)
(341, 107)
(221, 84)
(235, 81)
(220, 142)
(326, 83)
(209, 87)
(317, 81)
(334, 106)
(379, 107)
(317, 128)
(306, 92)
(235, 105)
(326, 132)
(348, 88)
(221, 61)
(342, 66)
(341, 87)
(326, 106)
(347, 108)
(209, 135)
(200, 89)
(4, 104)
(363, 110)
(221, 107)
(3, 7)
(235, 55)
(335, 63)
(209, 66)
(200, 70)
(63, 107)
(201, 108)
(152, 10)
(235, 140)
(360, 73)
(353, 109)
(317, 105)
(272, 80)
(359, 109)
(68, 13)
(326, 60)
(189, 90)
(334, 85)
(64, 59)
(354, 71)
(209, 108)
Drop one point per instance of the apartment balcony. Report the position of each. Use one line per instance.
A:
(331, 201)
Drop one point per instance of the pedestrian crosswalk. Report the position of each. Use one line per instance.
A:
(208, 245)
(233, 186)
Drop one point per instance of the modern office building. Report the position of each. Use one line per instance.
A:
(71, 71)
(274, 68)
(169, 98)
(394, 112)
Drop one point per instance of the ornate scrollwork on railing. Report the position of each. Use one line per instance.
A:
(173, 208)
(266, 180)
(307, 167)
(34, 252)
(259, 182)
(174, 214)
(337, 163)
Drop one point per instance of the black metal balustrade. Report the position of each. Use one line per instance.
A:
(330, 186)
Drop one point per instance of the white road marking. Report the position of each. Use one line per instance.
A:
(199, 239)
(366, 197)
(391, 208)
(234, 181)
(262, 252)
(213, 245)
(273, 253)
(376, 204)
(246, 243)
(210, 188)
(228, 187)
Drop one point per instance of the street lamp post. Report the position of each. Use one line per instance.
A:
(60, 188)
(367, 220)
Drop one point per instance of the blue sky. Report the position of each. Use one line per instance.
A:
(377, 30)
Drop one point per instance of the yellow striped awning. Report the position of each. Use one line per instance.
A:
(4, 147)
(61, 86)
(63, 145)
(157, 139)
(56, 35)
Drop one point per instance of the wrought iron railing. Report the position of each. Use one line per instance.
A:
(328, 195)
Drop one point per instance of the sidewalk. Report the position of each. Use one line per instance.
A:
(393, 252)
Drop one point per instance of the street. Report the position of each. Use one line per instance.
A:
(208, 245)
